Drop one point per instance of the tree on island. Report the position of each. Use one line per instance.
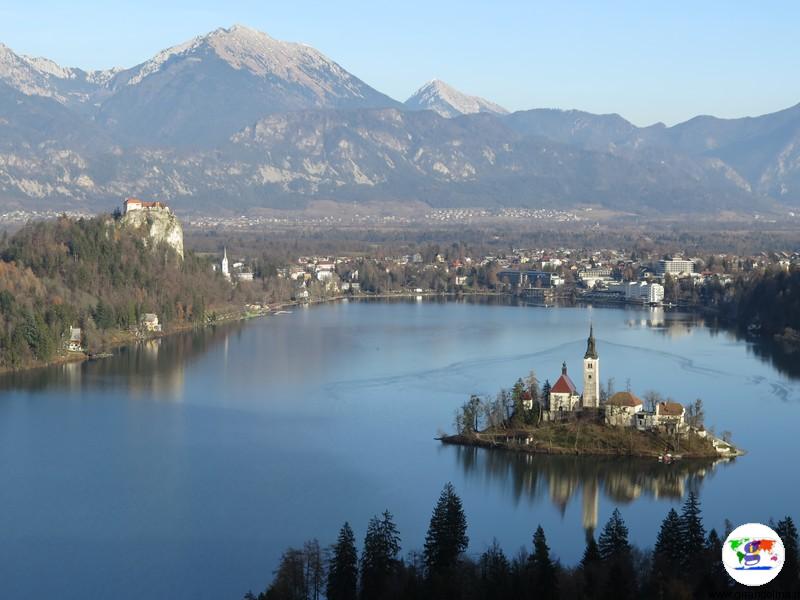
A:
(467, 419)
(533, 387)
(546, 390)
(343, 567)
(518, 397)
(695, 413)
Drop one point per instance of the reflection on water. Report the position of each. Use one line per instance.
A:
(153, 367)
(784, 357)
(531, 477)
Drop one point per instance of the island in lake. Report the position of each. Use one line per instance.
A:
(559, 420)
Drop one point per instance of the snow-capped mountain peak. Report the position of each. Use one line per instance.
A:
(444, 99)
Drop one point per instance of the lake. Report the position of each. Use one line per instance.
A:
(184, 467)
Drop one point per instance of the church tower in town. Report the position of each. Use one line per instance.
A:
(224, 265)
(591, 374)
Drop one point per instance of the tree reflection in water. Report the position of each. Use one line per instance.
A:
(621, 479)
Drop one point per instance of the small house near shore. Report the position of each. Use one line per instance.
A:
(150, 323)
(621, 409)
(74, 342)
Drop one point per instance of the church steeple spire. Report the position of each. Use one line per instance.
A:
(591, 350)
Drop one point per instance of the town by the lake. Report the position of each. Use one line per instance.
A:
(399, 301)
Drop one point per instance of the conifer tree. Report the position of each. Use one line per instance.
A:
(447, 537)
(788, 580)
(494, 570)
(590, 567)
(613, 542)
(692, 534)
(343, 567)
(713, 577)
(379, 557)
(615, 552)
(668, 551)
(545, 576)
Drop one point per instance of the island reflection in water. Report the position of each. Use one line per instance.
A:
(561, 478)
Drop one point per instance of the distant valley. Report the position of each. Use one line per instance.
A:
(236, 121)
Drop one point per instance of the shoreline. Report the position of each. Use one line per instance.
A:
(229, 315)
(575, 439)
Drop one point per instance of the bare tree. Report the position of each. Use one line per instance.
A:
(651, 400)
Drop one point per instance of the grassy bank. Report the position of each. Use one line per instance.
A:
(586, 438)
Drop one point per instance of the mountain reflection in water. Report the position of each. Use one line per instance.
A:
(561, 478)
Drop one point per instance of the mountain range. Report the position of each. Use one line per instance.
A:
(236, 120)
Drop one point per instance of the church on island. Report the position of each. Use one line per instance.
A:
(623, 409)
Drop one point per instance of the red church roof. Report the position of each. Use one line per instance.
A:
(564, 385)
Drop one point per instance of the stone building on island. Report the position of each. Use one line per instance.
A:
(623, 409)
(564, 398)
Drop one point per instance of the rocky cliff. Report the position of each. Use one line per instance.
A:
(159, 225)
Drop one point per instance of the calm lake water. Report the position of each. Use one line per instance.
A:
(183, 468)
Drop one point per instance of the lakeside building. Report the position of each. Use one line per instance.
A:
(150, 323)
(74, 342)
(530, 278)
(622, 409)
(638, 291)
(590, 277)
(675, 266)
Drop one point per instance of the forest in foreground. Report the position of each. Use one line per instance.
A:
(684, 563)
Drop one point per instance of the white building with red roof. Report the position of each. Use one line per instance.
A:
(564, 395)
(621, 409)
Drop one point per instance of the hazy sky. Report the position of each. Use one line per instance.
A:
(647, 60)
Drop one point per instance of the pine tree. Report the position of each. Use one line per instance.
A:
(615, 552)
(692, 534)
(788, 580)
(613, 542)
(343, 567)
(494, 571)
(447, 537)
(379, 557)
(713, 577)
(590, 567)
(668, 552)
(545, 576)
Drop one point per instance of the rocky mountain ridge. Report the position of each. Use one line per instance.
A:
(236, 120)
(448, 102)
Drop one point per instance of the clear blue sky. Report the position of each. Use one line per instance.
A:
(647, 60)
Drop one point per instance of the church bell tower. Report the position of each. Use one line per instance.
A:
(591, 374)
